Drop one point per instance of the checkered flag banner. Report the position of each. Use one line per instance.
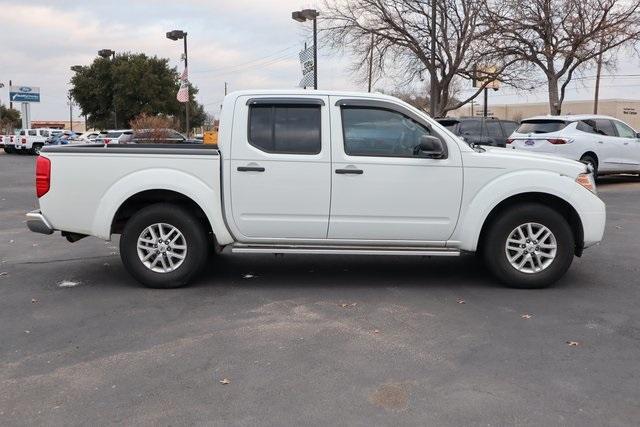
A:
(183, 92)
(306, 61)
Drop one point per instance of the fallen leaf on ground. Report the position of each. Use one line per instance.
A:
(461, 301)
(345, 305)
(619, 227)
(526, 316)
(225, 381)
(4, 273)
(573, 343)
(27, 332)
(34, 301)
(248, 276)
(376, 331)
(68, 284)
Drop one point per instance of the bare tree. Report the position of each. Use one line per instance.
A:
(402, 42)
(560, 37)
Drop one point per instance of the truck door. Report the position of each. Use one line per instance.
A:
(383, 189)
(280, 169)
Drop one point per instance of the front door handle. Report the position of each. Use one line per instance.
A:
(250, 169)
(350, 171)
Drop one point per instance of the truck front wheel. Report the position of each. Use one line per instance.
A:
(164, 246)
(529, 246)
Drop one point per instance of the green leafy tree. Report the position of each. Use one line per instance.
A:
(111, 92)
(9, 119)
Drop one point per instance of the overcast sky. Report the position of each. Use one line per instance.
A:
(247, 43)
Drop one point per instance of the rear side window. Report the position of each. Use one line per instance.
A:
(605, 127)
(509, 127)
(449, 124)
(587, 126)
(493, 129)
(285, 129)
(33, 132)
(471, 127)
(542, 126)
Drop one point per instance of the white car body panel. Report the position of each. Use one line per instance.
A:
(615, 154)
(299, 199)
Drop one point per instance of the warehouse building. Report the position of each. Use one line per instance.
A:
(624, 109)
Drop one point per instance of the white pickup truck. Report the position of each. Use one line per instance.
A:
(321, 172)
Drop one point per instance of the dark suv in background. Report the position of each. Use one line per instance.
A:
(480, 130)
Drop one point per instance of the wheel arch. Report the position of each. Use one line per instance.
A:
(146, 198)
(557, 203)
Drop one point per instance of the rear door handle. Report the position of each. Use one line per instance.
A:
(250, 169)
(350, 171)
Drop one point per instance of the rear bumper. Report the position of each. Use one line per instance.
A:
(37, 223)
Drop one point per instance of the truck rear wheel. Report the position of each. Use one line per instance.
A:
(164, 246)
(529, 246)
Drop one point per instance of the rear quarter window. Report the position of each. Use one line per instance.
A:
(542, 126)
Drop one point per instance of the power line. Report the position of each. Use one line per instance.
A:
(243, 64)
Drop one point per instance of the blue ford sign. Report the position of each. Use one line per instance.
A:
(24, 94)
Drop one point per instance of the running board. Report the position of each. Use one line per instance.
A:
(343, 250)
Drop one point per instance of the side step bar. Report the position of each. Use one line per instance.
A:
(343, 250)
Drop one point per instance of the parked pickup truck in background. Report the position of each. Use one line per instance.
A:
(321, 173)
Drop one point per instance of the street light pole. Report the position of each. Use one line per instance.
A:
(177, 35)
(310, 15)
(106, 53)
(433, 75)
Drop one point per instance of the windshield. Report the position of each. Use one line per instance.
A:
(541, 126)
(113, 134)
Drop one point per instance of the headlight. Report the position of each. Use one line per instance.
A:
(587, 181)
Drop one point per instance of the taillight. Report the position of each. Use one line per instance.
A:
(43, 176)
(24, 140)
(557, 141)
(509, 141)
(106, 141)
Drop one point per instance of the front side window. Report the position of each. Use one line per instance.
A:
(624, 131)
(285, 129)
(370, 131)
(509, 127)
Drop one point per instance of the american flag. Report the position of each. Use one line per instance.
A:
(183, 92)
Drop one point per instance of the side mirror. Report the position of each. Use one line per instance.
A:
(638, 135)
(430, 146)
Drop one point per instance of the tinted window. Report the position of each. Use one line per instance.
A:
(541, 126)
(586, 126)
(113, 134)
(449, 124)
(605, 127)
(624, 131)
(493, 129)
(509, 127)
(175, 135)
(33, 132)
(44, 133)
(372, 131)
(471, 127)
(293, 129)
(22, 132)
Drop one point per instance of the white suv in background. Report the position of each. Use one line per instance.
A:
(607, 144)
(32, 140)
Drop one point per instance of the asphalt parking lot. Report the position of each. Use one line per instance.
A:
(304, 340)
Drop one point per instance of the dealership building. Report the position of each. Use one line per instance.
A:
(624, 109)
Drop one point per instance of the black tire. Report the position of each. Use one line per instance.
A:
(495, 254)
(9, 150)
(35, 149)
(195, 238)
(590, 160)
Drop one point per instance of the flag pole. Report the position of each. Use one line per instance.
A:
(186, 67)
